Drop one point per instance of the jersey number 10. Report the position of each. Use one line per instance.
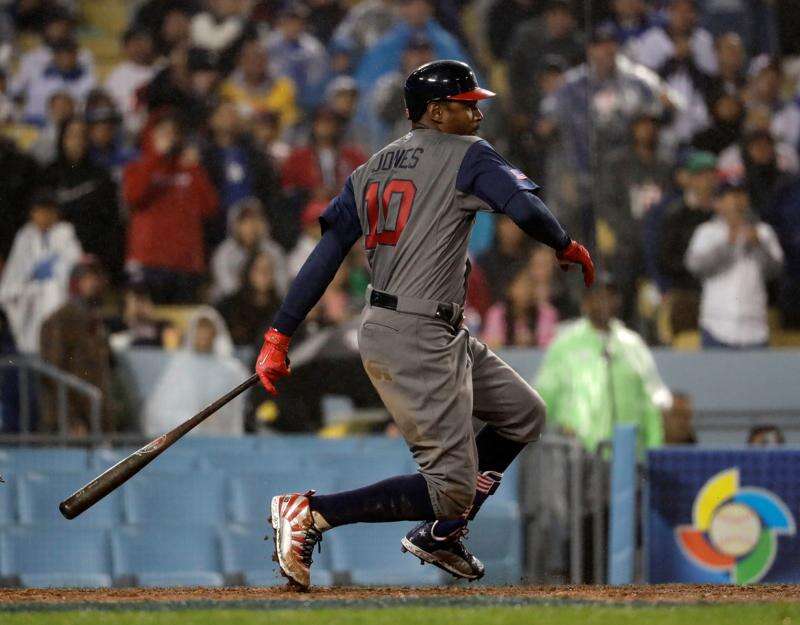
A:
(387, 215)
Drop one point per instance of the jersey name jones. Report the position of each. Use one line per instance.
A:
(398, 159)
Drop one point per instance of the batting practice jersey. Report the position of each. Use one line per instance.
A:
(416, 201)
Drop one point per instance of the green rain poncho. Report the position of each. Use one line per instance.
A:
(575, 380)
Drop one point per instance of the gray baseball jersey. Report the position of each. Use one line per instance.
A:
(416, 223)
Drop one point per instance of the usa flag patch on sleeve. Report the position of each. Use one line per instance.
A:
(518, 174)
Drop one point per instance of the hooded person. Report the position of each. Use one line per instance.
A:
(36, 275)
(198, 373)
(248, 234)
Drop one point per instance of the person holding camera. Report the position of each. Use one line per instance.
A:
(733, 255)
(169, 195)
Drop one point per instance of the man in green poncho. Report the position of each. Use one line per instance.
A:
(597, 373)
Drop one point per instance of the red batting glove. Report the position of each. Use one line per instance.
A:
(576, 253)
(273, 360)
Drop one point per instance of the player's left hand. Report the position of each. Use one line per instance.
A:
(576, 253)
(273, 360)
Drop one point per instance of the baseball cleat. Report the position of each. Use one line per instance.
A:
(448, 553)
(296, 535)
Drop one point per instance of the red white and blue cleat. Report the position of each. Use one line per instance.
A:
(296, 535)
(448, 552)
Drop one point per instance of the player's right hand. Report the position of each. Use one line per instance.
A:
(576, 253)
(273, 360)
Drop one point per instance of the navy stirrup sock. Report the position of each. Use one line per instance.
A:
(495, 455)
(401, 498)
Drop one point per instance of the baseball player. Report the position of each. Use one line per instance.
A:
(413, 204)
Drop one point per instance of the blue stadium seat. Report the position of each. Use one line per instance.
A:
(57, 556)
(370, 552)
(155, 555)
(42, 459)
(8, 500)
(250, 493)
(245, 552)
(305, 442)
(282, 459)
(171, 461)
(495, 536)
(207, 444)
(361, 469)
(176, 498)
(38, 496)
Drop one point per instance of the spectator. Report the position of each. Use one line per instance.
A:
(505, 258)
(185, 86)
(388, 95)
(139, 326)
(630, 20)
(725, 130)
(265, 128)
(683, 215)
(58, 27)
(766, 436)
(321, 168)
(324, 16)
(250, 309)
(295, 53)
(236, 168)
(60, 108)
(681, 33)
(168, 22)
(416, 16)
(254, 90)
(501, 16)
(74, 340)
(309, 236)
(764, 90)
(617, 94)
(197, 374)
(170, 196)
(131, 74)
(63, 73)
(784, 217)
(553, 39)
(221, 28)
(763, 174)
(678, 427)
(341, 96)
(107, 146)
(363, 26)
(20, 175)
(520, 319)
(731, 58)
(35, 278)
(87, 196)
(598, 373)
(248, 234)
(632, 181)
(734, 255)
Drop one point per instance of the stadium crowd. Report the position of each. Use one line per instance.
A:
(189, 168)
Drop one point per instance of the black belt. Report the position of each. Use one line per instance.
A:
(450, 313)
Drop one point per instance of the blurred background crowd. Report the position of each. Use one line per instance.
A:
(163, 164)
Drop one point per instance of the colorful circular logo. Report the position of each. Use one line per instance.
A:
(734, 529)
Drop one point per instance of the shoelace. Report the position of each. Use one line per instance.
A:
(313, 538)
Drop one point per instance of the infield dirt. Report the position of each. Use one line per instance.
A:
(672, 593)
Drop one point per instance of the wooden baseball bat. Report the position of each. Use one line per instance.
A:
(125, 469)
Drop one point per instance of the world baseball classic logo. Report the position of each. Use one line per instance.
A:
(735, 530)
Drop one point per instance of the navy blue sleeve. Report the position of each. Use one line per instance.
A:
(488, 176)
(341, 229)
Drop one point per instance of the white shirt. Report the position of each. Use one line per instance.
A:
(29, 299)
(733, 306)
(123, 83)
(655, 47)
